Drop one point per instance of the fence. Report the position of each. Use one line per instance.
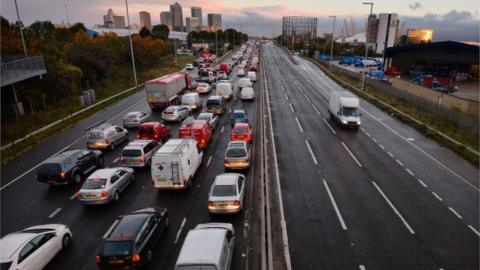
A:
(22, 69)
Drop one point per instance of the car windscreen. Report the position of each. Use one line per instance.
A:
(349, 111)
(238, 115)
(224, 190)
(92, 135)
(6, 265)
(239, 131)
(94, 183)
(132, 116)
(117, 248)
(213, 102)
(131, 153)
(236, 152)
(50, 169)
(142, 131)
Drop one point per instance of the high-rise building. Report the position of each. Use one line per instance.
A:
(372, 28)
(145, 20)
(192, 24)
(119, 22)
(197, 13)
(214, 21)
(108, 19)
(299, 27)
(177, 17)
(166, 18)
(417, 36)
(387, 31)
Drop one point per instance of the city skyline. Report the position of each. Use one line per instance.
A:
(265, 18)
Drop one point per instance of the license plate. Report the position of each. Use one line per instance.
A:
(222, 204)
(116, 261)
(51, 181)
(90, 195)
(132, 161)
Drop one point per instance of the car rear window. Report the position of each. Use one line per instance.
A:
(224, 190)
(238, 131)
(117, 248)
(95, 135)
(132, 116)
(94, 183)
(50, 169)
(131, 153)
(213, 102)
(145, 131)
(238, 115)
(236, 152)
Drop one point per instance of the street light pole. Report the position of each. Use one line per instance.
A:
(131, 44)
(366, 43)
(21, 30)
(333, 38)
(216, 41)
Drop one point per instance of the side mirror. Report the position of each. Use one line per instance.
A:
(360, 114)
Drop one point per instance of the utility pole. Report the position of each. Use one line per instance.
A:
(333, 38)
(21, 30)
(366, 44)
(131, 44)
(216, 41)
(66, 14)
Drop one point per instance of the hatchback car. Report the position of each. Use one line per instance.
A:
(237, 156)
(135, 119)
(69, 166)
(226, 194)
(238, 116)
(106, 136)
(138, 153)
(215, 104)
(175, 113)
(203, 88)
(131, 238)
(247, 93)
(105, 185)
(242, 132)
(153, 131)
(189, 67)
(34, 247)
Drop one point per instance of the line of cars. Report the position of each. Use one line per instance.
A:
(128, 243)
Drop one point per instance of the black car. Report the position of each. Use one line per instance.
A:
(130, 240)
(70, 166)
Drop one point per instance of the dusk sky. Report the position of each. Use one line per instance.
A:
(458, 21)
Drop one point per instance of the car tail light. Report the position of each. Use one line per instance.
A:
(98, 259)
(104, 194)
(210, 203)
(77, 195)
(62, 174)
(142, 159)
(236, 202)
(135, 257)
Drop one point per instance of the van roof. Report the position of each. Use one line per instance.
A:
(175, 146)
(346, 94)
(202, 246)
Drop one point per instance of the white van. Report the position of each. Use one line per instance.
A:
(344, 108)
(252, 75)
(244, 82)
(175, 163)
(225, 90)
(192, 101)
(208, 246)
(247, 93)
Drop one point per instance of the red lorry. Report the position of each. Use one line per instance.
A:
(166, 90)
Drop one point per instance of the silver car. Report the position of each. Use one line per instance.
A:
(237, 156)
(138, 153)
(226, 194)
(135, 119)
(176, 113)
(105, 185)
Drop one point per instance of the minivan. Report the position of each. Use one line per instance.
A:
(192, 101)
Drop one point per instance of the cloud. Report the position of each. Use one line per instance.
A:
(415, 6)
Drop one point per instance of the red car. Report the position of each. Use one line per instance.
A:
(153, 131)
(196, 129)
(242, 132)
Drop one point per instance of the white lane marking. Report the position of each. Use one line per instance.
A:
(374, 140)
(368, 134)
(393, 208)
(286, 97)
(436, 196)
(299, 125)
(180, 230)
(455, 212)
(73, 196)
(362, 267)
(390, 154)
(422, 183)
(381, 146)
(311, 153)
(63, 149)
(291, 107)
(115, 160)
(328, 125)
(351, 154)
(410, 172)
(315, 108)
(221, 131)
(309, 100)
(474, 230)
(55, 212)
(209, 160)
(399, 162)
(339, 215)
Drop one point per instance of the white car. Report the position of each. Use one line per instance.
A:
(189, 67)
(135, 119)
(241, 72)
(252, 75)
(34, 247)
(176, 113)
(247, 93)
(226, 194)
(105, 185)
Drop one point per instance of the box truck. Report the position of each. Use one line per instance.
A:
(166, 90)
(344, 108)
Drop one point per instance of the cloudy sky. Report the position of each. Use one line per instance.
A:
(263, 17)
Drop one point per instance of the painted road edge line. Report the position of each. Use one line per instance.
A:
(180, 230)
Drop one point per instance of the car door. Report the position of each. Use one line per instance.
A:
(241, 188)
(37, 252)
(120, 133)
(115, 183)
(124, 178)
(82, 161)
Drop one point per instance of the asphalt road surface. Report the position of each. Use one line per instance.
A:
(382, 197)
(25, 202)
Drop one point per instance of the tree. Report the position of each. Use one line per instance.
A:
(42, 30)
(144, 32)
(160, 31)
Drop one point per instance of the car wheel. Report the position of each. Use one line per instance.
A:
(100, 162)
(77, 178)
(66, 240)
(112, 146)
(116, 196)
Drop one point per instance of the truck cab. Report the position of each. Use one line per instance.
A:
(344, 108)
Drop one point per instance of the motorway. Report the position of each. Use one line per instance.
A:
(384, 197)
(25, 202)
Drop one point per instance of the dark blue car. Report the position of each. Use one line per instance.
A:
(238, 116)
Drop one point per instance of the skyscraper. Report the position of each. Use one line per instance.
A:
(214, 21)
(145, 20)
(197, 13)
(177, 17)
(192, 24)
(166, 18)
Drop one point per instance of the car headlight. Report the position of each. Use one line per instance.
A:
(344, 121)
(359, 122)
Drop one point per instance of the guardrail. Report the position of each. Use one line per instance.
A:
(22, 69)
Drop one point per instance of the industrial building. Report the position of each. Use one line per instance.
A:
(214, 22)
(145, 20)
(299, 27)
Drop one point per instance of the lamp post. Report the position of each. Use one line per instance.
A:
(366, 43)
(216, 41)
(21, 30)
(131, 44)
(333, 38)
